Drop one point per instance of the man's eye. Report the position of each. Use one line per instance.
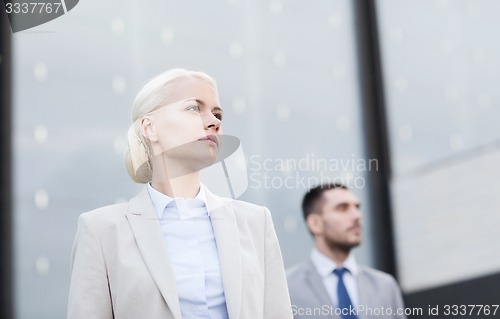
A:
(342, 207)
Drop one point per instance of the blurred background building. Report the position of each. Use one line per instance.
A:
(398, 98)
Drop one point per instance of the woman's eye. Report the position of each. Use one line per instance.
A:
(193, 108)
(218, 116)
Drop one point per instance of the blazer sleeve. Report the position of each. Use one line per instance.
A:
(276, 298)
(89, 294)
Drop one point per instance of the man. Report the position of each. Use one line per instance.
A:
(331, 284)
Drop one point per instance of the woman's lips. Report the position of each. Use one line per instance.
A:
(212, 139)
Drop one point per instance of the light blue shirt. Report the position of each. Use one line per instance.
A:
(188, 233)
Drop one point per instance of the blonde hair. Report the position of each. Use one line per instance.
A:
(151, 97)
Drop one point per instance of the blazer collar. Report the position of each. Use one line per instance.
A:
(143, 220)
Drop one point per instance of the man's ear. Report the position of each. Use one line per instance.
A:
(148, 129)
(315, 224)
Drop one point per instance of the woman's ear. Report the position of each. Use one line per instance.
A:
(148, 129)
(315, 224)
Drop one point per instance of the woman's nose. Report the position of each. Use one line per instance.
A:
(212, 122)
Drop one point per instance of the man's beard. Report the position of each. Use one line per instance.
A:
(343, 246)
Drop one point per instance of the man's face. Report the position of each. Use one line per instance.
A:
(338, 221)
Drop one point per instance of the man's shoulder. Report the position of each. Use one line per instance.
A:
(299, 270)
(375, 275)
(298, 278)
(369, 271)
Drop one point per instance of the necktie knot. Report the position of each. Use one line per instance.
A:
(340, 272)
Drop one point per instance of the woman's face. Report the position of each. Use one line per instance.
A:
(188, 126)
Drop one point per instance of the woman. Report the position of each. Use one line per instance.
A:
(176, 250)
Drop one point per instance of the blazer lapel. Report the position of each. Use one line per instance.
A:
(227, 239)
(147, 232)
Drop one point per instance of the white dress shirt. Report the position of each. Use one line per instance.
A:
(188, 233)
(325, 267)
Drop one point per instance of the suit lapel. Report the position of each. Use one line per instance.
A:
(315, 282)
(227, 239)
(147, 232)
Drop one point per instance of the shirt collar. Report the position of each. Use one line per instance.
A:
(325, 266)
(161, 201)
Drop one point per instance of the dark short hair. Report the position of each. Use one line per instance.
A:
(313, 196)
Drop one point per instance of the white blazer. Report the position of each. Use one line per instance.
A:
(120, 266)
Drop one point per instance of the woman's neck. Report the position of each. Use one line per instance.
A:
(176, 181)
(186, 186)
